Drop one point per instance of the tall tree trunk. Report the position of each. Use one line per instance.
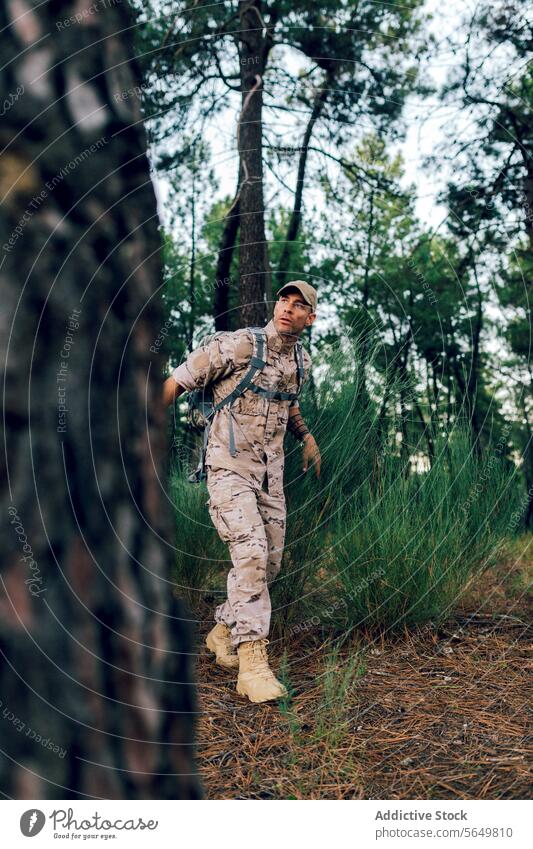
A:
(405, 396)
(223, 281)
(366, 329)
(95, 649)
(528, 194)
(296, 215)
(254, 271)
(426, 430)
(472, 384)
(527, 458)
(192, 265)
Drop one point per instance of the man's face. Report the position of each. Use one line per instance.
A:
(292, 314)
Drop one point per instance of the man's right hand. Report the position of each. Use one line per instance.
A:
(311, 454)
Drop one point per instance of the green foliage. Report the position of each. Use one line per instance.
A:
(202, 559)
(285, 704)
(337, 679)
(491, 193)
(188, 298)
(373, 542)
(190, 54)
(408, 554)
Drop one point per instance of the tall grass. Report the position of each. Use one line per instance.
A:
(202, 559)
(370, 543)
(406, 551)
(338, 678)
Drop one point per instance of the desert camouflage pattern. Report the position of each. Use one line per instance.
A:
(259, 423)
(246, 498)
(252, 523)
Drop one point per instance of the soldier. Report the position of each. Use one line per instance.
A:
(244, 461)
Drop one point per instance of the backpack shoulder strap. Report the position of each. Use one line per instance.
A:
(299, 355)
(256, 364)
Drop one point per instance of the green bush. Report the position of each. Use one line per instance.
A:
(406, 552)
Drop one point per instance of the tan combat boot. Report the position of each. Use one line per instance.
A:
(219, 641)
(256, 679)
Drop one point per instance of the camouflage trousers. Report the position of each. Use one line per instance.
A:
(252, 523)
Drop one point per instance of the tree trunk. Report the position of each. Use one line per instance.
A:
(192, 265)
(472, 384)
(527, 458)
(223, 280)
(95, 676)
(254, 271)
(401, 366)
(528, 194)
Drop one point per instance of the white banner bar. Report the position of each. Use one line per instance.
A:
(263, 824)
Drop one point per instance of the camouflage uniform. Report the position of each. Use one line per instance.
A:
(246, 498)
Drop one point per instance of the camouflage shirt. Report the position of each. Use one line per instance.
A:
(259, 423)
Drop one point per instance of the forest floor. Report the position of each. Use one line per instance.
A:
(440, 712)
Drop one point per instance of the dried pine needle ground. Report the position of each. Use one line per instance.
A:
(435, 712)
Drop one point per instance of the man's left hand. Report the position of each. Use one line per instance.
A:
(311, 454)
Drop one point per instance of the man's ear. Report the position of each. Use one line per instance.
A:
(310, 318)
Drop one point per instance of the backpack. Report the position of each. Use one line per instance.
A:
(202, 409)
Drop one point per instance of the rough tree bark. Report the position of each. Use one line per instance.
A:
(223, 281)
(254, 271)
(94, 648)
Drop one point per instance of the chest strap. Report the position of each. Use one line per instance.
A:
(272, 395)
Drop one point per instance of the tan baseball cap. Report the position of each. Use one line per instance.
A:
(308, 293)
